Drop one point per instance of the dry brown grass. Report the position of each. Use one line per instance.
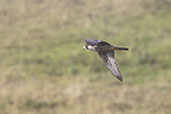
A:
(44, 70)
(81, 96)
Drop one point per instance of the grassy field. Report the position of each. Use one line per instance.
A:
(45, 70)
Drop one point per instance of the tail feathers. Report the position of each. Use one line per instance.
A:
(120, 48)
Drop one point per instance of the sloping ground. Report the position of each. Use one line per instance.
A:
(45, 70)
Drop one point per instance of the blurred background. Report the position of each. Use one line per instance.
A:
(45, 70)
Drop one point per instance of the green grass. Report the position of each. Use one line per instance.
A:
(44, 68)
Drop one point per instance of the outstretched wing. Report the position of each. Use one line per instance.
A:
(108, 58)
(92, 42)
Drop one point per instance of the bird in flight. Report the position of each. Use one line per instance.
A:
(106, 52)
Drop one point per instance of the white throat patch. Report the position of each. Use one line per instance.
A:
(92, 48)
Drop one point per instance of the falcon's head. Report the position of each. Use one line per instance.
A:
(91, 44)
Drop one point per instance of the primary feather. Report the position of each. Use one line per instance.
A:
(108, 58)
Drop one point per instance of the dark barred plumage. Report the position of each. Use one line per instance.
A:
(106, 52)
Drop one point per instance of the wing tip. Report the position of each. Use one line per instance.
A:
(120, 78)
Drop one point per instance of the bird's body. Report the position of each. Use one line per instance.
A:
(106, 52)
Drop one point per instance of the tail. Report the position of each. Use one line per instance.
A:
(120, 48)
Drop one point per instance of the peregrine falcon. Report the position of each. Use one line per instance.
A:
(106, 52)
